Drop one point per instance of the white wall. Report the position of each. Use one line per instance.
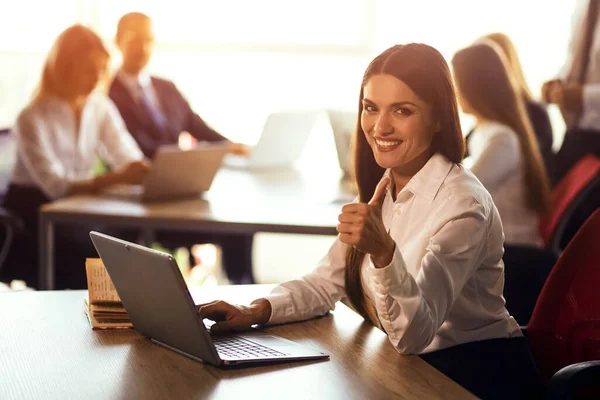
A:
(235, 84)
(237, 61)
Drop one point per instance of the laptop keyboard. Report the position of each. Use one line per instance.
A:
(235, 347)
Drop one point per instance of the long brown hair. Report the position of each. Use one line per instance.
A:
(512, 57)
(424, 70)
(73, 44)
(485, 84)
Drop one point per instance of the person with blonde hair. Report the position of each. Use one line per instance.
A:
(505, 154)
(59, 136)
(536, 111)
(419, 253)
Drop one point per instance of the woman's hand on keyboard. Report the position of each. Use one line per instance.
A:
(229, 317)
(134, 172)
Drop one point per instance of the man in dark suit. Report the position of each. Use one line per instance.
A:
(154, 110)
(156, 113)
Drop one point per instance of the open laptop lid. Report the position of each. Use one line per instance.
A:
(182, 173)
(343, 125)
(283, 139)
(155, 296)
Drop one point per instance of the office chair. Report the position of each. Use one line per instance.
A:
(11, 225)
(567, 382)
(526, 269)
(564, 330)
(574, 198)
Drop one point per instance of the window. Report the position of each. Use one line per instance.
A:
(239, 60)
(32, 25)
(259, 23)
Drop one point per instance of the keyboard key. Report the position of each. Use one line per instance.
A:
(237, 347)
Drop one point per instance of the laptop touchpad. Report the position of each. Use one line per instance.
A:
(270, 341)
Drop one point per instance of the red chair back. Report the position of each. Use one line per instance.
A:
(565, 325)
(565, 194)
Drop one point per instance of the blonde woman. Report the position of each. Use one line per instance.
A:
(537, 113)
(419, 253)
(59, 135)
(506, 158)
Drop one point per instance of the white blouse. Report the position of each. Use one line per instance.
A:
(52, 154)
(498, 164)
(444, 285)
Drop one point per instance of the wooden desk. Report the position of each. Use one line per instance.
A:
(49, 351)
(239, 202)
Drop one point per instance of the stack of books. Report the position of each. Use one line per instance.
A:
(102, 305)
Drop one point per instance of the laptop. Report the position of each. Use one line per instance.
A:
(161, 308)
(175, 173)
(281, 143)
(343, 126)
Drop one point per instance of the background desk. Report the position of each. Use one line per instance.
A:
(49, 351)
(284, 201)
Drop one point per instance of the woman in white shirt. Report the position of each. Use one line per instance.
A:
(503, 148)
(419, 253)
(59, 136)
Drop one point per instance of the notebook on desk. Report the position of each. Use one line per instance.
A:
(175, 174)
(102, 304)
(154, 293)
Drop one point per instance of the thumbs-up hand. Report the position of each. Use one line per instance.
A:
(361, 226)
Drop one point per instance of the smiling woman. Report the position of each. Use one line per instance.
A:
(404, 119)
(391, 110)
(419, 254)
(399, 132)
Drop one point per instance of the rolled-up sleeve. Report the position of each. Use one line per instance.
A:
(412, 309)
(116, 145)
(313, 295)
(42, 164)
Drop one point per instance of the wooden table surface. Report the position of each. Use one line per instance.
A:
(48, 350)
(238, 202)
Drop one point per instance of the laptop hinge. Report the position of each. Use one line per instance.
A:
(183, 353)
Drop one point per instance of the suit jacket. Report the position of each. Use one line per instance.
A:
(177, 111)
